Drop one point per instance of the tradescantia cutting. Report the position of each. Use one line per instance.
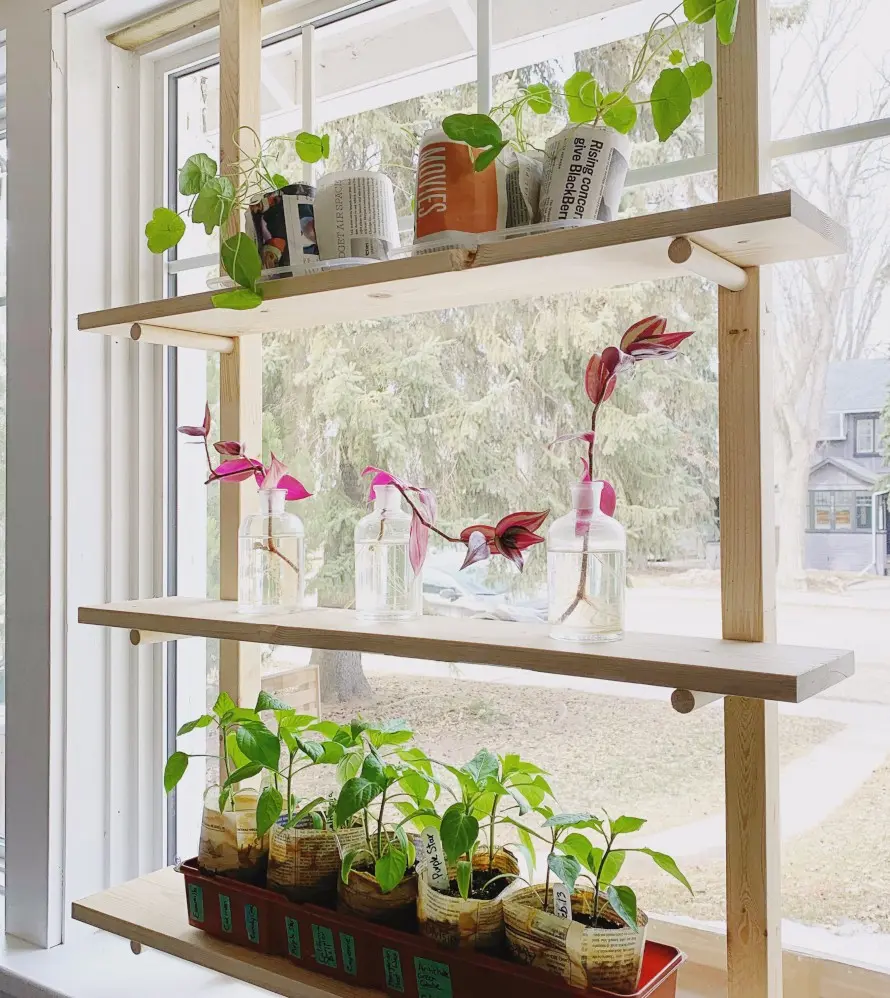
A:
(511, 537)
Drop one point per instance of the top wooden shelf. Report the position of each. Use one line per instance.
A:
(752, 231)
(730, 668)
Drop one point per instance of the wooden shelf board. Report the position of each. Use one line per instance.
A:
(151, 911)
(732, 668)
(753, 231)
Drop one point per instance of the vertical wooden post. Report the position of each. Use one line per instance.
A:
(241, 371)
(747, 533)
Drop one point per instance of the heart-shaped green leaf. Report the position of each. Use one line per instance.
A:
(348, 767)
(671, 102)
(258, 743)
(477, 130)
(619, 112)
(279, 181)
(164, 230)
(540, 100)
(700, 78)
(390, 868)
(175, 769)
(459, 832)
(485, 158)
(625, 825)
(241, 260)
(224, 703)
(583, 96)
(727, 18)
(195, 172)
(567, 868)
(355, 795)
(240, 298)
(699, 11)
(214, 204)
(309, 147)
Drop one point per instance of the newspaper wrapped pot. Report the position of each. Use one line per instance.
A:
(282, 223)
(585, 167)
(304, 863)
(584, 957)
(458, 924)
(363, 898)
(453, 201)
(524, 172)
(229, 846)
(355, 216)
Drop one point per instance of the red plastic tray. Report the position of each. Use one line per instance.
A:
(401, 964)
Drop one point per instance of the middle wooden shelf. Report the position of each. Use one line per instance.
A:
(731, 668)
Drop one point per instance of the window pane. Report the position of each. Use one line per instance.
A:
(863, 512)
(828, 64)
(865, 436)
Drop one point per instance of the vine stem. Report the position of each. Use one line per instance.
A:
(426, 522)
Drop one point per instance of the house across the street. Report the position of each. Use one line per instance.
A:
(847, 514)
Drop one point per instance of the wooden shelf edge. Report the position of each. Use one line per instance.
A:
(400, 286)
(730, 668)
(151, 911)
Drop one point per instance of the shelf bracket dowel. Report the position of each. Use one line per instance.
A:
(141, 639)
(697, 260)
(144, 332)
(686, 701)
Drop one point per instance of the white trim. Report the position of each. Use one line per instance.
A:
(864, 131)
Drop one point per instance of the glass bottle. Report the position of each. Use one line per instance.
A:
(386, 587)
(270, 557)
(586, 557)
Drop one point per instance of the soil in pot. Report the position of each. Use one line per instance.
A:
(475, 923)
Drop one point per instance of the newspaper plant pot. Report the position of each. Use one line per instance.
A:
(283, 225)
(584, 957)
(373, 956)
(355, 216)
(363, 898)
(452, 199)
(229, 845)
(523, 175)
(458, 924)
(304, 863)
(585, 167)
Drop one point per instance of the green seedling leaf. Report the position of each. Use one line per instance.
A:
(289, 739)
(196, 171)
(485, 158)
(237, 757)
(348, 767)
(240, 714)
(668, 865)
(483, 766)
(214, 204)
(309, 147)
(699, 77)
(540, 100)
(265, 701)
(671, 102)
(223, 799)
(699, 11)
(326, 728)
(514, 764)
(240, 299)
(624, 903)
(279, 181)
(610, 869)
(464, 878)
(355, 795)
(567, 868)
(525, 841)
(325, 146)
(459, 832)
(241, 260)
(175, 769)
(268, 810)
(417, 758)
(348, 863)
(625, 825)
(205, 720)
(727, 18)
(477, 130)
(524, 805)
(415, 785)
(619, 112)
(583, 95)
(321, 753)
(164, 230)
(676, 57)
(243, 773)
(374, 771)
(304, 810)
(392, 733)
(569, 820)
(258, 743)
(224, 703)
(579, 846)
(390, 868)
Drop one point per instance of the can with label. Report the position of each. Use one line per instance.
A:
(453, 200)
(585, 167)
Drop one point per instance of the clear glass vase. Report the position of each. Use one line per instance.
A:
(270, 557)
(586, 558)
(386, 587)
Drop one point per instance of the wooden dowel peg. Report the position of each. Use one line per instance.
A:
(695, 259)
(141, 639)
(135, 948)
(686, 701)
(144, 332)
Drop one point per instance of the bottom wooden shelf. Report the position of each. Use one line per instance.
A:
(151, 911)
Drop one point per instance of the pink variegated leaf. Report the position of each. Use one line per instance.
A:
(229, 448)
(588, 436)
(511, 553)
(480, 528)
(599, 381)
(608, 499)
(616, 360)
(198, 431)
(295, 490)
(418, 541)
(520, 538)
(585, 470)
(427, 500)
(531, 521)
(381, 477)
(649, 328)
(239, 469)
(273, 474)
(477, 549)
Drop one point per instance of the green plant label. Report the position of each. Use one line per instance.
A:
(293, 937)
(323, 942)
(347, 951)
(252, 922)
(433, 979)
(196, 902)
(225, 912)
(392, 968)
